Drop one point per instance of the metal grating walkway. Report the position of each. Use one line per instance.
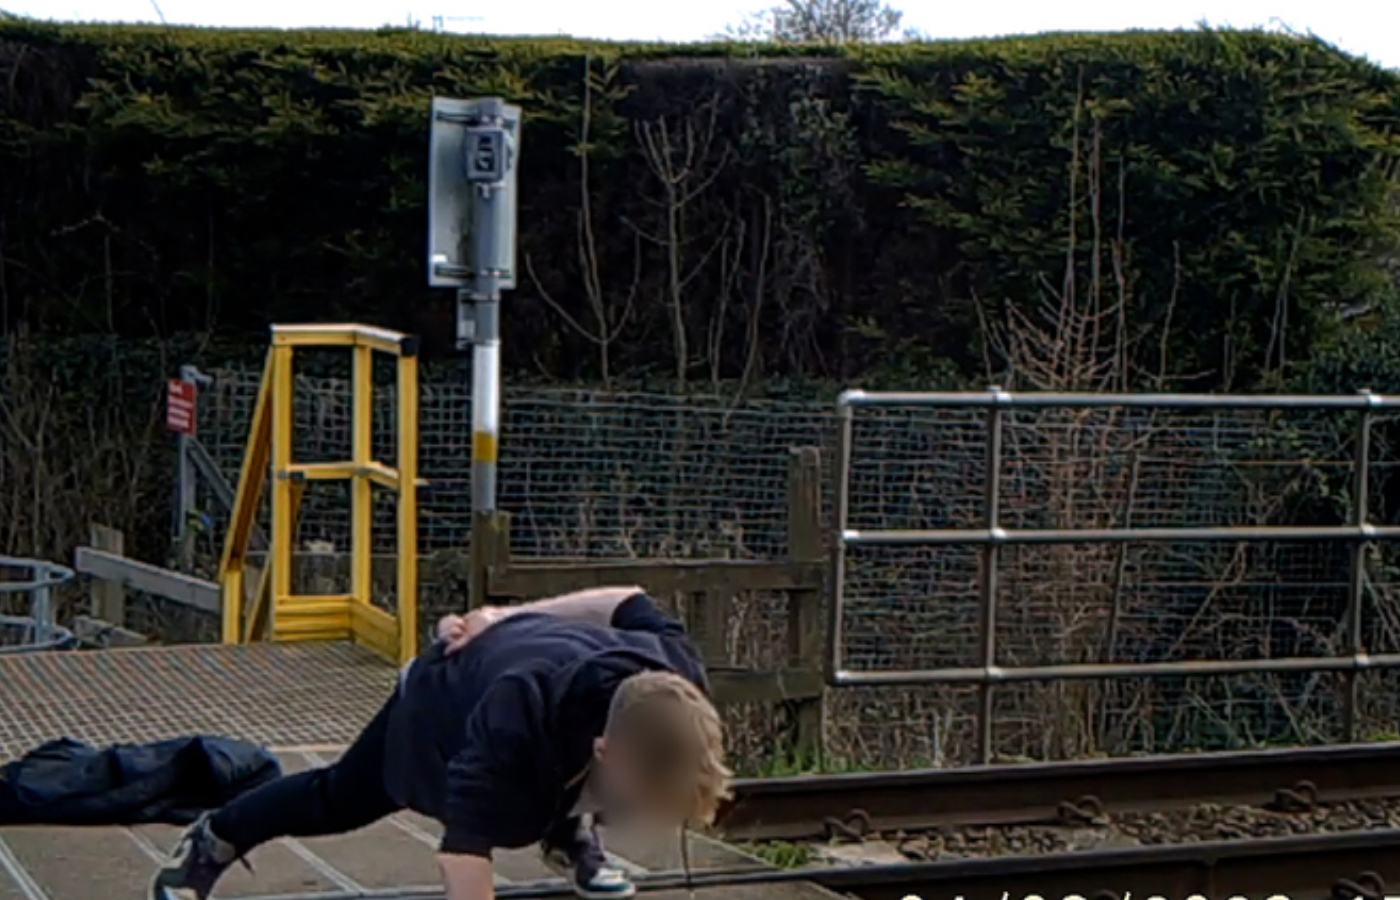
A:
(278, 695)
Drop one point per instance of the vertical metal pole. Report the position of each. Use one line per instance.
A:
(361, 490)
(1361, 493)
(184, 483)
(491, 147)
(472, 184)
(41, 609)
(991, 559)
(184, 489)
(834, 629)
(282, 538)
(407, 464)
(486, 402)
(186, 479)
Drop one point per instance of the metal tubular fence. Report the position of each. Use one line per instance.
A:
(36, 630)
(991, 537)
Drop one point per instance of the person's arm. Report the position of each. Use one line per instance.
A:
(466, 877)
(640, 613)
(493, 784)
(595, 605)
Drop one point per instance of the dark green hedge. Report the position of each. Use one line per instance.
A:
(854, 203)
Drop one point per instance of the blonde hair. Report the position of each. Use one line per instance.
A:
(672, 733)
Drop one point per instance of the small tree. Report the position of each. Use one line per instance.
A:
(821, 22)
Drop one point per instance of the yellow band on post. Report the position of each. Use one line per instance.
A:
(485, 447)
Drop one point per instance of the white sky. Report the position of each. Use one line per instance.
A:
(1368, 28)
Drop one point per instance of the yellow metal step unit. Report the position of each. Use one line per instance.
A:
(269, 610)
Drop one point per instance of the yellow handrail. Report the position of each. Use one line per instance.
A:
(351, 616)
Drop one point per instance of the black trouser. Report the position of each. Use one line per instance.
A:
(341, 797)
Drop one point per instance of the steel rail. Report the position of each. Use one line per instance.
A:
(996, 398)
(1341, 866)
(1180, 668)
(814, 806)
(855, 537)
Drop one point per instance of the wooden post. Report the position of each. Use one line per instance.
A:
(806, 637)
(490, 550)
(708, 621)
(108, 597)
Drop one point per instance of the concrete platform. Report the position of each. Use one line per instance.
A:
(305, 702)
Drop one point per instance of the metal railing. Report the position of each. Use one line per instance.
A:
(274, 610)
(37, 630)
(992, 536)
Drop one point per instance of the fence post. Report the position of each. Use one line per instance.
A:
(806, 636)
(991, 558)
(108, 597)
(708, 614)
(1361, 492)
(490, 549)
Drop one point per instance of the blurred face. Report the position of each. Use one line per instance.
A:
(623, 793)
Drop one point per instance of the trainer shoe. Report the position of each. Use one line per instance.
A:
(198, 861)
(581, 862)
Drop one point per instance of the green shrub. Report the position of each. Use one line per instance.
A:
(851, 204)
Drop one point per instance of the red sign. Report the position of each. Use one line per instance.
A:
(180, 406)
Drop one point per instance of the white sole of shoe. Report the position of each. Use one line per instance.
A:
(562, 867)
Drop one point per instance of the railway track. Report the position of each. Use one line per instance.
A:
(1344, 865)
(1349, 866)
(856, 805)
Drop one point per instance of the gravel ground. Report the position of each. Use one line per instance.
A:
(1206, 822)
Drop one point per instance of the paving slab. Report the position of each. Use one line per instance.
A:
(65, 862)
(272, 869)
(419, 860)
(660, 851)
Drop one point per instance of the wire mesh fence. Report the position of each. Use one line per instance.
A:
(582, 473)
(593, 474)
(918, 608)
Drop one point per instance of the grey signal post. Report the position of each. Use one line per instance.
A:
(474, 149)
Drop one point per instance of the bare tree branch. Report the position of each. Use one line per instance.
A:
(684, 167)
(821, 22)
(552, 304)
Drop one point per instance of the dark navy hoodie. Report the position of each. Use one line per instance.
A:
(492, 740)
